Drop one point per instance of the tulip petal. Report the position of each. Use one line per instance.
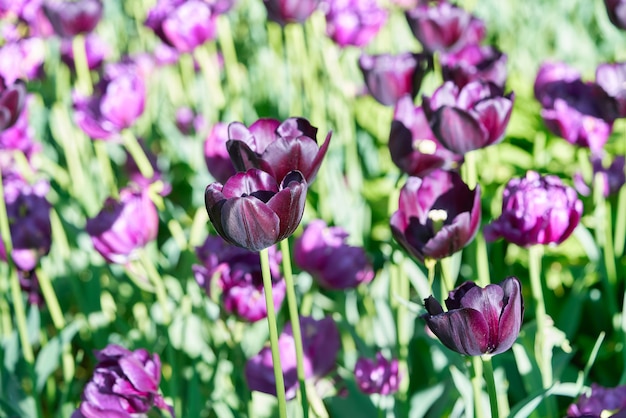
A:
(494, 115)
(264, 133)
(289, 203)
(512, 314)
(137, 375)
(464, 330)
(249, 223)
(457, 130)
(241, 155)
(293, 128)
(285, 155)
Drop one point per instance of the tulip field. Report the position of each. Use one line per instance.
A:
(312, 208)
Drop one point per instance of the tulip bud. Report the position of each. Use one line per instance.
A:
(288, 11)
(354, 22)
(379, 376)
(71, 18)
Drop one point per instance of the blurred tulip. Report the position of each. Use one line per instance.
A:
(474, 63)
(612, 177)
(612, 78)
(95, 48)
(536, 210)
(322, 251)
(550, 78)
(379, 376)
(600, 402)
(353, 22)
(237, 272)
(71, 18)
(289, 11)
(616, 9)
(437, 215)
(413, 146)
(320, 343)
(216, 155)
(253, 211)
(479, 320)
(221, 6)
(124, 226)
(277, 148)
(124, 383)
(389, 77)
(22, 59)
(12, 100)
(444, 27)
(468, 118)
(20, 136)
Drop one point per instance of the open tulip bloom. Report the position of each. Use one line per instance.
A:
(479, 320)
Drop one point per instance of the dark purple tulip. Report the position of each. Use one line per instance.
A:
(437, 215)
(479, 320)
(320, 344)
(12, 100)
(600, 402)
(22, 59)
(612, 78)
(289, 11)
(182, 24)
(124, 226)
(444, 27)
(95, 48)
(124, 384)
(612, 177)
(616, 9)
(277, 148)
(536, 210)
(468, 118)
(354, 22)
(20, 136)
(474, 63)
(413, 146)
(550, 78)
(71, 18)
(389, 77)
(118, 101)
(377, 376)
(251, 210)
(216, 155)
(322, 251)
(238, 275)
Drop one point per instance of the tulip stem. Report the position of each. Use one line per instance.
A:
(620, 223)
(292, 303)
(138, 154)
(105, 165)
(273, 329)
(159, 286)
(477, 386)
(491, 385)
(83, 78)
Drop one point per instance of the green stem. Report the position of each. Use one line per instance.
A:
(477, 386)
(206, 55)
(620, 223)
(159, 286)
(482, 260)
(491, 386)
(471, 176)
(138, 154)
(542, 353)
(105, 165)
(51, 300)
(83, 82)
(231, 67)
(273, 329)
(292, 303)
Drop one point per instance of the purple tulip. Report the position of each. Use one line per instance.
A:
(216, 155)
(95, 48)
(71, 18)
(183, 24)
(444, 27)
(600, 402)
(12, 99)
(354, 22)
(413, 146)
(277, 148)
(116, 104)
(616, 9)
(612, 177)
(612, 78)
(124, 226)
(29, 12)
(437, 215)
(20, 136)
(124, 383)
(389, 77)
(22, 59)
(468, 118)
(320, 343)
(253, 211)
(474, 63)
(289, 11)
(479, 320)
(536, 210)
(322, 251)
(221, 6)
(238, 275)
(550, 78)
(377, 376)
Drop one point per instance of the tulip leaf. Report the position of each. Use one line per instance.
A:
(423, 400)
(526, 407)
(48, 358)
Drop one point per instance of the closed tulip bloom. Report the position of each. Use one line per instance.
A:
(237, 273)
(277, 148)
(22, 59)
(124, 226)
(468, 118)
(12, 100)
(389, 77)
(474, 63)
(96, 50)
(379, 376)
(444, 27)
(320, 346)
(600, 402)
(612, 78)
(413, 146)
(616, 9)
(322, 251)
(437, 215)
(550, 78)
(71, 18)
(124, 383)
(253, 211)
(216, 155)
(354, 22)
(536, 210)
(289, 11)
(478, 320)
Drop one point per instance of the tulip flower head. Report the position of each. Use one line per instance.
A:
(289, 11)
(616, 9)
(22, 59)
(71, 18)
(216, 154)
(478, 320)
(354, 22)
(20, 136)
(536, 210)
(612, 78)
(12, 100)
(437, 215)
(600, 402)
(96, 50)
(377, 375)
(474, 63)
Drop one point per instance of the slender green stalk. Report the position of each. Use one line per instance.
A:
(206, 55)
(482, 260)
(159, 286)
(234, 78)
(620, 223)
(138, 154)
(477, 386)
(471, 176)
(403, 289)
(273, 328)
(491, 386)
(293, 47)
(51, 300)
(431, 265)
(105, 165)
(83, 82)
(292, 303)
